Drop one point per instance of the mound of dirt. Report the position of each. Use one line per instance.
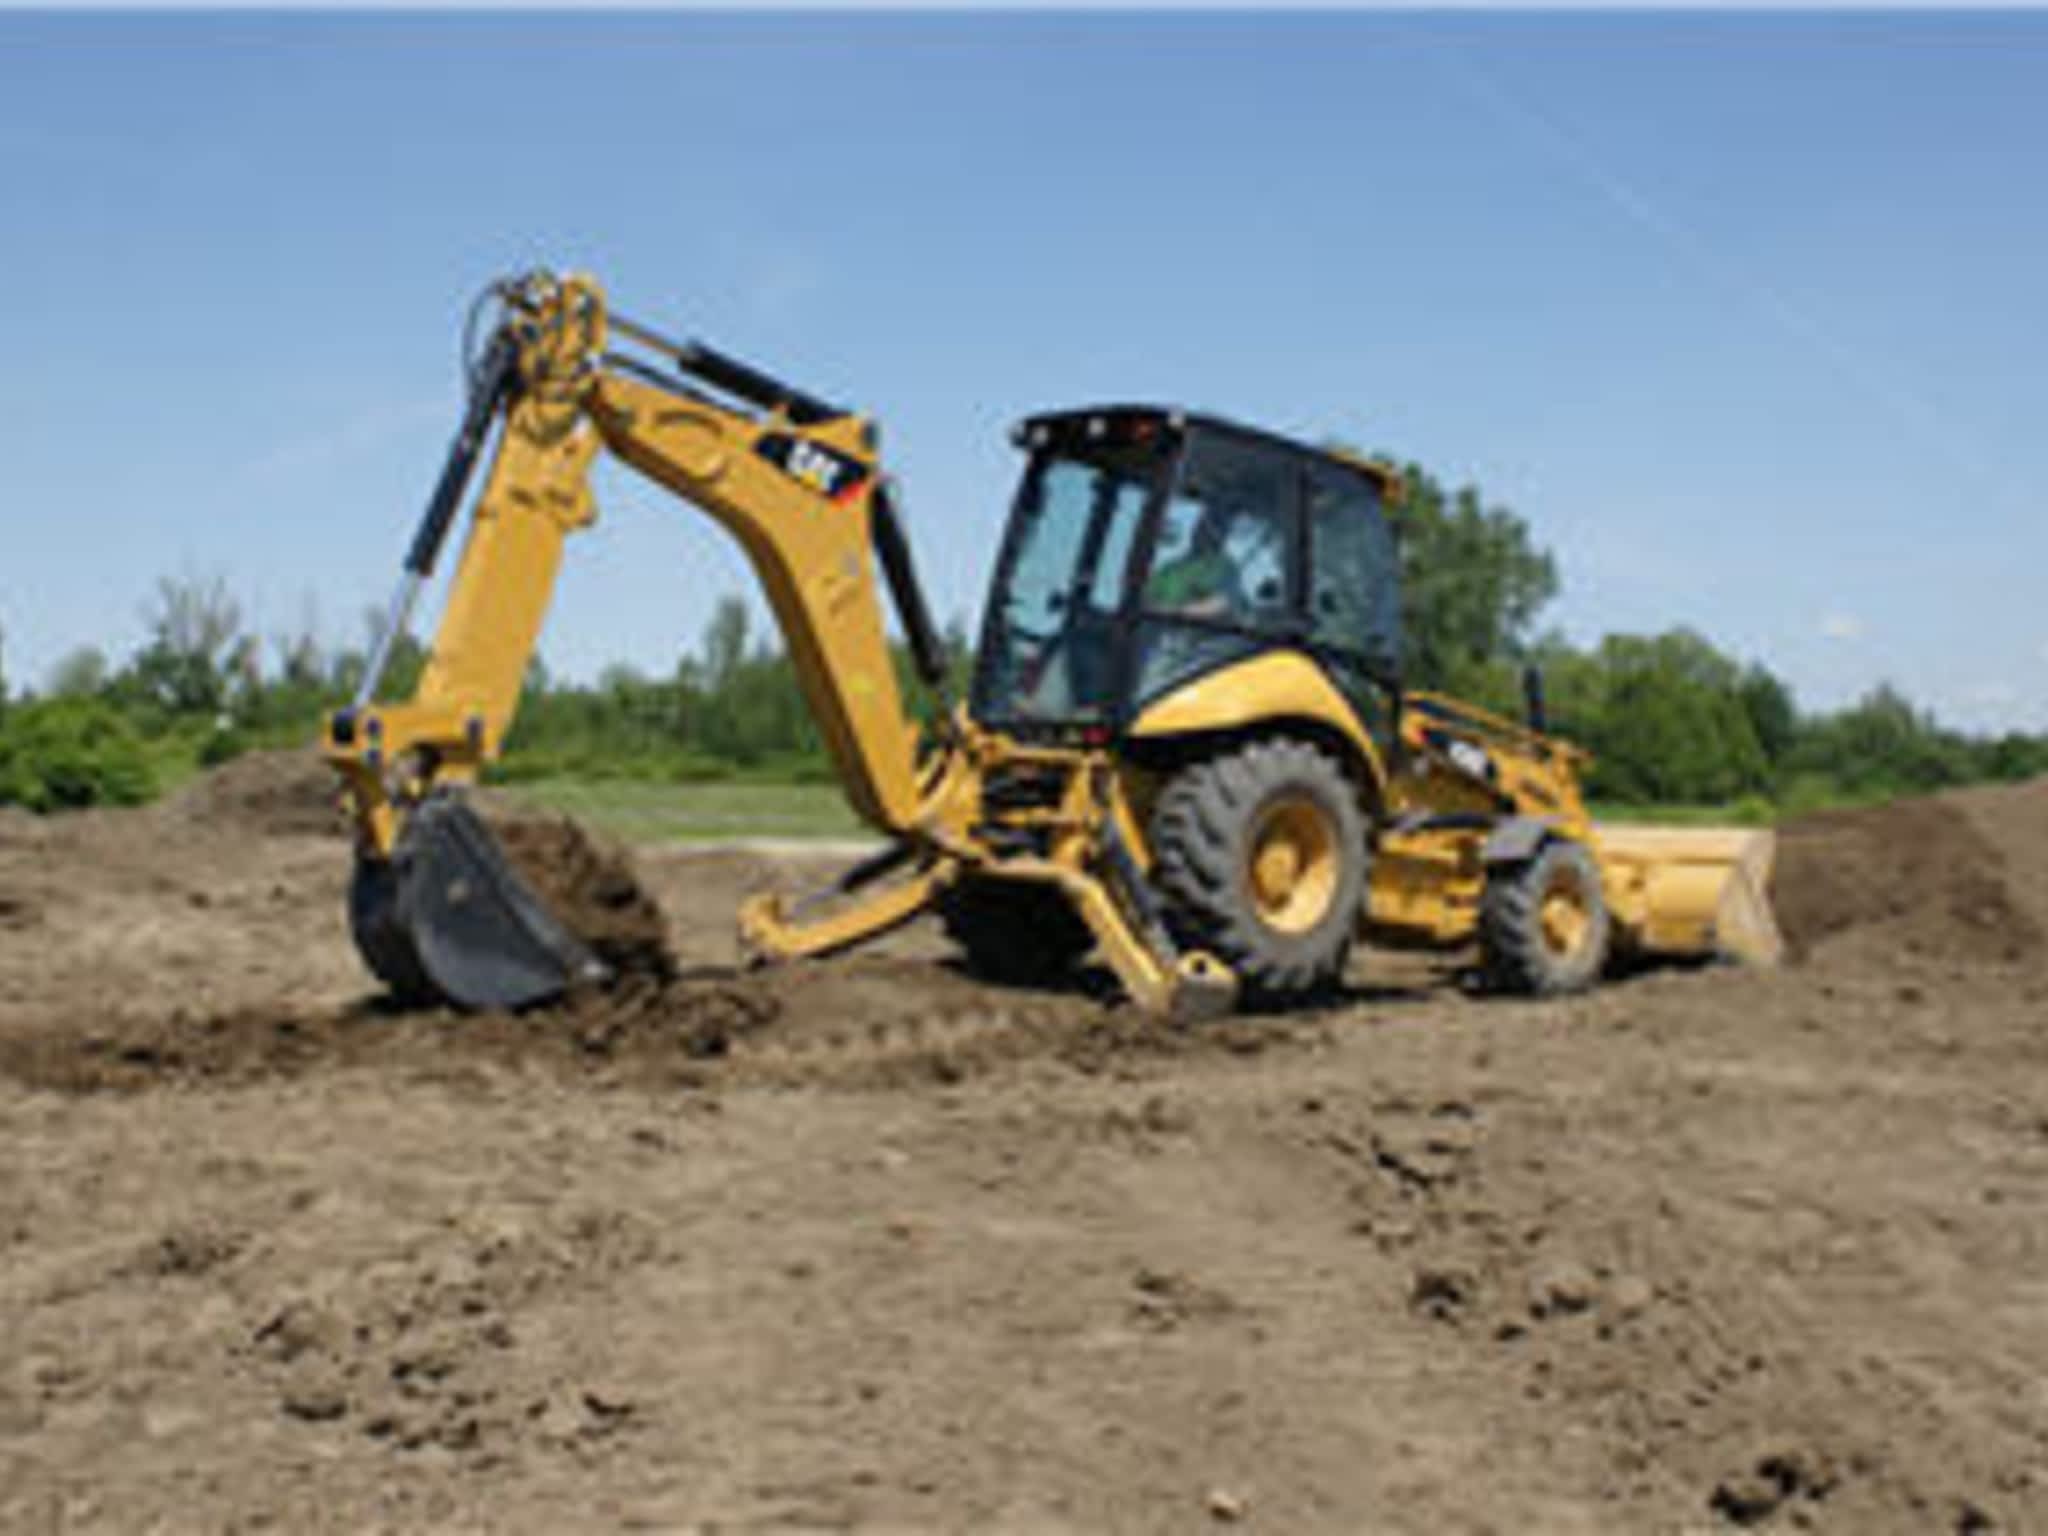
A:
(2015, 818)
(592, 890)
(1916, 874)
(289, 792)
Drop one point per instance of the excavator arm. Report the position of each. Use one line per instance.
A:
(436, 908)
(794, 480)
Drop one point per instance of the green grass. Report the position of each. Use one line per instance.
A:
(652, 812)
(645, 811)
(1742, 813)
(1800, 798)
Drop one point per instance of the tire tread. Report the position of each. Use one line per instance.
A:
(1199, 829)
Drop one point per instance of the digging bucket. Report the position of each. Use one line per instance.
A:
(448, 919)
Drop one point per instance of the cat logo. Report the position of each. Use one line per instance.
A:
(832, 474)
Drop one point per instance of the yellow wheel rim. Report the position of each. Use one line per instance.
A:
(1294, 864)
(1565, 914)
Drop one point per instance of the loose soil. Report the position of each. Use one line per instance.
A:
(868, 1245)
(283, 793)
(1917, 875)
(593, 890)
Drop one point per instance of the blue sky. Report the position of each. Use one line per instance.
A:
(1746, 315)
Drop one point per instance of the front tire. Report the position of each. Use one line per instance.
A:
(1259, 855)
(1544, 928)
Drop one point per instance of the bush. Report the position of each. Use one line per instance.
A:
(64, 754)
(222, 744)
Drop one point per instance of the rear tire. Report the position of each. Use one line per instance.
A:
(1544, 928)
(1259, 856)
(1015, 932)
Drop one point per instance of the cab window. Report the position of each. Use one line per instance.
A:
(1225, 551)
(1354, 603)
(1049, 648)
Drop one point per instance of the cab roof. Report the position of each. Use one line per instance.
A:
(1179, 419)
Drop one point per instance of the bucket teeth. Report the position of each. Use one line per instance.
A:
(448, 918)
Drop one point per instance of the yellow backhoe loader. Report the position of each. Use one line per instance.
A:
(1186, 747)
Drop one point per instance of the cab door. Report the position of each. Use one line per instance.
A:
(1221, 578)
(1353, 592)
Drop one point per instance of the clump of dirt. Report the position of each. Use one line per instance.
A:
(594, 891)
(1915, 872)
(288, 792)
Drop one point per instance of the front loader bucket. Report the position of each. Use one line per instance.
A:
(1692, 890)
(449, 919)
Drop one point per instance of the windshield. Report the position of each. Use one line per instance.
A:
(1049, 647)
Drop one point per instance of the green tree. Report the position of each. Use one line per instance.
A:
(725, 642)
(301, 658)
(402, 668)
(196, 653)
(1883, 744)
(2012, 757)
(79, 673)
(1773, 716)
(751, 708)
(1676, 729)
(1474, 581)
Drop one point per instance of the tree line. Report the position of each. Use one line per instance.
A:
(1669, 718)
(203, 688)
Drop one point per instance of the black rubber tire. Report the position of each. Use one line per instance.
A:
(1516, 956)
(1202, 835)
(1015, 932)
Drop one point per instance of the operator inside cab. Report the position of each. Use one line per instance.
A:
(1220, 555)
(1202, 578)
(1146, 550)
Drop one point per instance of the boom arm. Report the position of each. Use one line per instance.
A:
(794, 480)
(437, 909)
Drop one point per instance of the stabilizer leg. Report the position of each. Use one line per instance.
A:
(774, 928)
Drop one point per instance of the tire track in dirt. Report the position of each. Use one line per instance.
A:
(690, 1033)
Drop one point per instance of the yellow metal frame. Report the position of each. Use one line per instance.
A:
(813, 553)
(1671, 891)
(1076, 831)
(1265, 693)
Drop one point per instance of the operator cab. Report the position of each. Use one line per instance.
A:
(1148, 548)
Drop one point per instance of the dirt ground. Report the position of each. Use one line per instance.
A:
(869, 1246)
